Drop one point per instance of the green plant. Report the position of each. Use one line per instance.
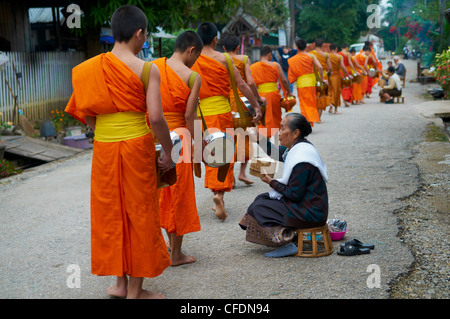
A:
(60, 119)
(7, 169)
(442, 64)
(3, 124)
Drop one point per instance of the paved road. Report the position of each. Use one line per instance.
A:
(45, 220)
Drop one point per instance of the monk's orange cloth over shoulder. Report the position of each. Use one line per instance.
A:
(322, 101)
(347, 92)
(215, 82)
(335, 82)
(244, 151)
(299, 65)
(361, 59)
(126, 237)
(178, 208)
(268, 73)
(356, 87)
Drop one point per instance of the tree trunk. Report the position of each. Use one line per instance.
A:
(93, 46)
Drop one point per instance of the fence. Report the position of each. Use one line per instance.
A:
(44, 83)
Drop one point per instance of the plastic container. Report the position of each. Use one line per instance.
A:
(79, 141)
(337, 235)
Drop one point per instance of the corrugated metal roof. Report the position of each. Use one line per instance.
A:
(43, 15)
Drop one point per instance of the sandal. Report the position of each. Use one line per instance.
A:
(359, 244)
(350, 250)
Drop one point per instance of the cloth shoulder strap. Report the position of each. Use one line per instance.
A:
(146, 74)
(315, 69)
(235, 92)
(192, 78)
(245, 59)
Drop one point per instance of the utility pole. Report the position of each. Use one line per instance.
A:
(292, 22)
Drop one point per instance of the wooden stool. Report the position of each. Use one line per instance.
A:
(398, 98)
(314, 242)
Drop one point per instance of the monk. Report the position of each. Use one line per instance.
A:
(215, 106)
(179, 94)
(356, 87)
(323, 57)
(371, 63)
(347, 92)
(267, 74)
(361, 58)
(109, 96)
(242, 63)
(376, 63)
(335, 82)
(301, 69)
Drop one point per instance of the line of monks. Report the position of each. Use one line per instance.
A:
(131, 104)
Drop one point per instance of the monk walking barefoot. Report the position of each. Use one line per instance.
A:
(109, 95)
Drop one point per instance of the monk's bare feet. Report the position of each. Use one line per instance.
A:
(220, 208)
(245, 180)
(145, 294)
(116, 292)
(182, 259)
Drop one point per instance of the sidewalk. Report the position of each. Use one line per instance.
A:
(368, 152)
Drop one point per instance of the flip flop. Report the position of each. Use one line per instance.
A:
(359, 244)
(287, 250)
(350, 250)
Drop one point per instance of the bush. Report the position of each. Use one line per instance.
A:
(7, 169)
(442, 64)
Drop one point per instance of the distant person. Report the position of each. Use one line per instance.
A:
(399, 68)
(394, 87)
(285, 54)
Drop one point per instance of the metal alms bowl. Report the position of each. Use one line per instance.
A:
(219, 149)
(176, 151)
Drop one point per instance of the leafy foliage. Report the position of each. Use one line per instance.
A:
(334, 21)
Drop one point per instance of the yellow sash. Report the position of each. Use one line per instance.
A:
(121, 126)
(267, 87)
(306, 80)
(214, 105)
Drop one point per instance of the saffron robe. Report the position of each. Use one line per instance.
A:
(266, 78)
(347, 92)
(215, 83)
(178, 208)
(244, 151)
(322, 101)
(302, 65)
(126, 237)
(335, 83)
(361, 59)
(356, 87)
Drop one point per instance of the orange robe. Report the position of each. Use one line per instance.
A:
(245, 148)
(264, 73)
(335, 83)
(347, 92)
(215, 83)
(324, 101)
(361, 59)
(356, 87)
(178, 208)
(126, 237)
(302, 65)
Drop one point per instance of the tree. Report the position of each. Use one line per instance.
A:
(334, 21)
(170, 14)
(270, 13)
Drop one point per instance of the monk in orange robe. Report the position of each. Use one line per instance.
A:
(244, 152)
(372, 63)
(301, 69)
(335, 82)
(215, 106)
(323, 58)
(179, 95)
(267, 74)
(375, 63)
(109, 96)
(356, 87)
(347, 92)
(361, 59)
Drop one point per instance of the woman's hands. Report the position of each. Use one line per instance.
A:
(266, 178)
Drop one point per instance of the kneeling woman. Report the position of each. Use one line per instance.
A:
(299, 198)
